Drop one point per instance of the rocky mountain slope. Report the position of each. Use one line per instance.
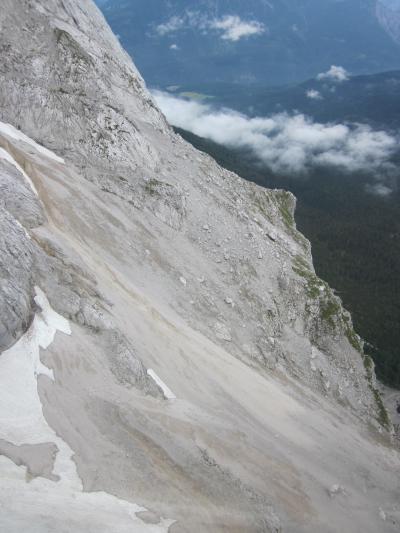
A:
(170, 361)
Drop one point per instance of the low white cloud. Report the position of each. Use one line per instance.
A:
(335, 73)
(170, 26)
(314, 95)
(174, 47)
(230, 27)
(379, 189)
(233, 28)
(283, 142)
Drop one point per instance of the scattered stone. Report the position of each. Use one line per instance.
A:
(336, 490)
(148, 517)
(222, 332)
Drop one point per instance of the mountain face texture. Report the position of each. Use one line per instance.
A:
(372, 99)
(388, 13)
(268, 42)
(169, 359)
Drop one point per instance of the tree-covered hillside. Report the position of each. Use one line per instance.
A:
(373, 99)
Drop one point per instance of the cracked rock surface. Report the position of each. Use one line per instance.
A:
(210, 381)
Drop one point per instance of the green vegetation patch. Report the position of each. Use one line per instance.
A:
(369, 365)
(153, 186)
(261, 201)
(383, 416)
(285, 204)
(329, 310)
(353, 339)
(314, 284)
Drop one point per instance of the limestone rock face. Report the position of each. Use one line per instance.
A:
(388, 14)
(160, 319)
(18, 198)
(16, 292)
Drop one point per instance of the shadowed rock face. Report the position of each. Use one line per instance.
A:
(16, 280)
(175, 276)
(18, 198)
(388, 13)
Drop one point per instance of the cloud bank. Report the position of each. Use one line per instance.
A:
(285, 143)
(379, 189)
(314, 95)
(234, 28)
(230, 27)
(335, 73)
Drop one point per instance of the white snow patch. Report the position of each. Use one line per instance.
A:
(21, 416)
(43, 505)
(167, 392)
(10, 131)
(52, 319)
(7, 157)
(18, 223)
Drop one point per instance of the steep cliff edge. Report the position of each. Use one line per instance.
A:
(191, 362)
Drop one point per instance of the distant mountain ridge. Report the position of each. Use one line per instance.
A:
(169, 359)
(259, 41)
(373, 99)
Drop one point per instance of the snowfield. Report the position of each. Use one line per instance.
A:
(59, 504)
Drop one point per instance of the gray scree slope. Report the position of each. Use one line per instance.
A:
(160, 259)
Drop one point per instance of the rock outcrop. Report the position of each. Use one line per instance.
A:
(210, 376)
(388, 14)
